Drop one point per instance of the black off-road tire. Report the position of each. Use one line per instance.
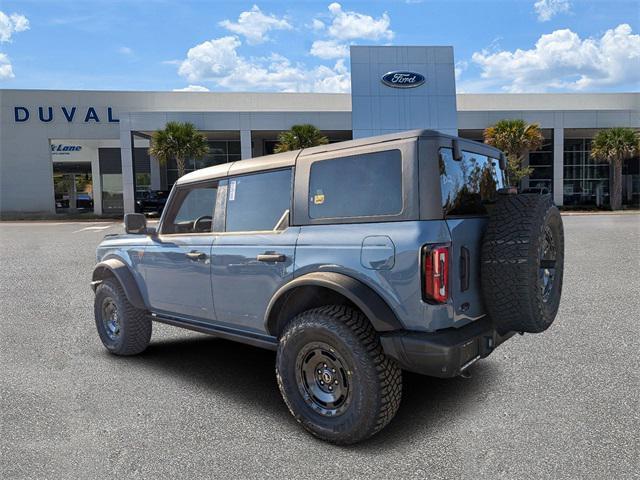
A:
(374, 381)
(134, 324)
(521, 228)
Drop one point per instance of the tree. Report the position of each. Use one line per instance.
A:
(300, 136)
(516, 139)
(614, 146)
(179, 141)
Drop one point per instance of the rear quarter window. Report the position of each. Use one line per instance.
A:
(365, 185)
(469, 186)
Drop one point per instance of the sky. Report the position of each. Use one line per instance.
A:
(303, 46)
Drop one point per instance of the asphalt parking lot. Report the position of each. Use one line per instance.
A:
(563, 404)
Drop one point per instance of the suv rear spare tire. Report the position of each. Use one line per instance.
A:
(522, 263)
(334, 376)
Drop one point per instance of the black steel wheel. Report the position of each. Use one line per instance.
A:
(323, 379)
(334, 376)
(547, 264)
(123, 328)
(110, 318)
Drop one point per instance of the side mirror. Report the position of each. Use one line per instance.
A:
(135, 223)
(457, 153)
(503, 162)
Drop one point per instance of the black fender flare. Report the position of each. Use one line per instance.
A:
(120, 270)
(382, 318)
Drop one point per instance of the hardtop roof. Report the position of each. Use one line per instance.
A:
(288, 159)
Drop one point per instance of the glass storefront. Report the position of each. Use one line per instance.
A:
(586, 180)
(220, 151)
(73, 187)
(111, 181)
(631, 182)
(111, 193)
(541, 161)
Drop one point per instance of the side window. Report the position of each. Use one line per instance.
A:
(191, 210)
(363, 185)
(259, 201)
(469, 185)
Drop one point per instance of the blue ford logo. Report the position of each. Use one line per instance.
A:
(402, 79)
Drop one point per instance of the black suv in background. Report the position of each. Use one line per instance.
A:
(151, 201)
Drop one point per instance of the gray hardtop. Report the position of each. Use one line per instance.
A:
(288, 159)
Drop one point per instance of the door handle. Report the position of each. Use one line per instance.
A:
(271, 257)
(195, 255)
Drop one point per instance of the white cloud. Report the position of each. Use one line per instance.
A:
(254, 25)
(6, 70)
(547, 9)
(125, 51)
(561, 60)
(347, 25)
(210, 59)
(218, 61)
(192, 88)
(327, 49)
(10, 24)
(460, 67)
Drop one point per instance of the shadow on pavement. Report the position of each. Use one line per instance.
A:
(246, 375)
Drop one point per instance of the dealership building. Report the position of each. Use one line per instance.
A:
(68, 151)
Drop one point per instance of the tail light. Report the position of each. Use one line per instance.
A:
(435, 261)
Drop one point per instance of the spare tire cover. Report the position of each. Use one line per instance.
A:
(522, 263)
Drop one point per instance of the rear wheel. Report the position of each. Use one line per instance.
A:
(334, 376)
(123, 328)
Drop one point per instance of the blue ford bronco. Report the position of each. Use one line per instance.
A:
(354, 261)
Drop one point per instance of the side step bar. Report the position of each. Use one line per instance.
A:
(242, 336)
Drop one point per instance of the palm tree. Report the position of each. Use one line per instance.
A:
(300, 136)
(516, 139)
(179, 141)
(614, 146)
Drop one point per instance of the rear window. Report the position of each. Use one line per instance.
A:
(364, 185)
(470, 185)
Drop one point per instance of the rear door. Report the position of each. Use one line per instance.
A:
(468, 188)
(177, 263)
(255, 254)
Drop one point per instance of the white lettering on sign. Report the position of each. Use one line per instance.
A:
(403, 79)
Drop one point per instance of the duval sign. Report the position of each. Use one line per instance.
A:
(403, 79)
(69, 113)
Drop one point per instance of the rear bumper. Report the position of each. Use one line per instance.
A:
(445, 353)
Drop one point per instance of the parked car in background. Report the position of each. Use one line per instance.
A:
(84, 201)
(151, 201)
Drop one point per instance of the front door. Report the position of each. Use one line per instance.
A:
(177, 265)
(255, 255)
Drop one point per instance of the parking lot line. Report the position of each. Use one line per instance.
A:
(94, 228)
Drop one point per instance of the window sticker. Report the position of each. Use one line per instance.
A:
(318, 198)
(232, 190)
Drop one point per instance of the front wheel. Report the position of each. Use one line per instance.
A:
(123, 328)
(334, 376)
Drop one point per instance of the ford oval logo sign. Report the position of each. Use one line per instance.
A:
(401, 79)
